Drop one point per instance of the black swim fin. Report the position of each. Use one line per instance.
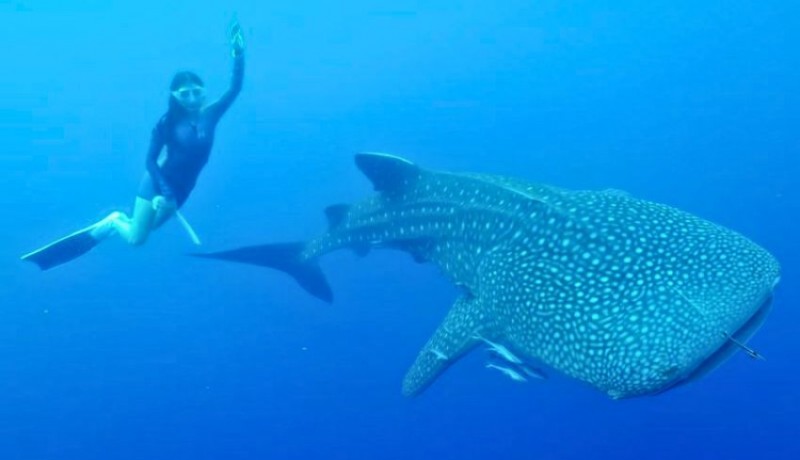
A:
(63, 250)
(284, 257)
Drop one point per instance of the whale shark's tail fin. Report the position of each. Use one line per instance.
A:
(284, 257)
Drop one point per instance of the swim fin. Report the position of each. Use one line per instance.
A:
(63, 250)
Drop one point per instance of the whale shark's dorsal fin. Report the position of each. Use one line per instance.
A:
(387, 172)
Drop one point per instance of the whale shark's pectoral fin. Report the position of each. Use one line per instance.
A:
(452, 340)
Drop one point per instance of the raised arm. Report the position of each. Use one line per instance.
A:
(218, 108)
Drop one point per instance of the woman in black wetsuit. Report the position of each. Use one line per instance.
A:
(187, 132)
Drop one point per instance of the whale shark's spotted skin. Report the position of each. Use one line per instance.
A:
(630, 296)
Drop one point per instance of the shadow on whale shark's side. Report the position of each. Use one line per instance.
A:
(630, 296)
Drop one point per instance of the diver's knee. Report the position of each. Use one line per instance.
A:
(137, 236)
(137, 239)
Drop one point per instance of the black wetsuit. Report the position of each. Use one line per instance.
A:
(189, 142)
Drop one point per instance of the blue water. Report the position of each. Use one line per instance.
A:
(143, 353)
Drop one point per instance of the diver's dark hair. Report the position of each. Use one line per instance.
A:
(175, 109)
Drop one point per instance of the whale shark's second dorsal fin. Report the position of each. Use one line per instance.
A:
(387, 173)
(336, 214)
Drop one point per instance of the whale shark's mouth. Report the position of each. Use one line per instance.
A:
(729, 346)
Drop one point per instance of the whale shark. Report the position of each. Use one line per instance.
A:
(629, 296)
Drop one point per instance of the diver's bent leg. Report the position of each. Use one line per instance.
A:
(136, 230)
(133, 231)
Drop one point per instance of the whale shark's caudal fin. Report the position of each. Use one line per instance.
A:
(284, 257)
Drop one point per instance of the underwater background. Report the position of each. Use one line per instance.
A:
(145, 353)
